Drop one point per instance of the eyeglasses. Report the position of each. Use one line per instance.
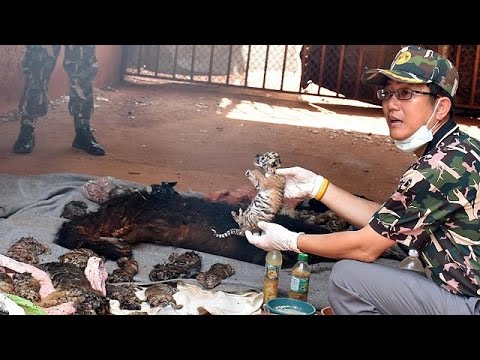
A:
(400, 94)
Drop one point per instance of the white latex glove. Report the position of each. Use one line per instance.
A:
(300, 183)
(273, 237)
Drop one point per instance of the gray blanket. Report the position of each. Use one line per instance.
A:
(32, 205)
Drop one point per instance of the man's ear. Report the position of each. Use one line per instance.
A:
(443, 108)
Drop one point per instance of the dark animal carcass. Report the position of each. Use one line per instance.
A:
(168, 218)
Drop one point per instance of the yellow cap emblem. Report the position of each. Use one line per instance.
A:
(403, 58)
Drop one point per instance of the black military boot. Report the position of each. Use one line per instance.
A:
(25, 140)
(84, 140)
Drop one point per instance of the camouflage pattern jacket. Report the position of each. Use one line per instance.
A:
(436, 210)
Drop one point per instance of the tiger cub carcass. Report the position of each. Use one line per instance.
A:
(268, 201)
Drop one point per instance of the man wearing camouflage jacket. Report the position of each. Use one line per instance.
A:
(81, 65)
(435, 209)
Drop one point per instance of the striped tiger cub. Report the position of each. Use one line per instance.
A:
(269, 198)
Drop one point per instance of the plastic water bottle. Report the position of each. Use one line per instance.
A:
(412, 262)
(300, 278)
(273, 264)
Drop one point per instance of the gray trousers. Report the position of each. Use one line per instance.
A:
(357, 287)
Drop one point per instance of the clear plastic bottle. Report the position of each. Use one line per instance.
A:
(273, 264)
(300, 278)
(412, 262)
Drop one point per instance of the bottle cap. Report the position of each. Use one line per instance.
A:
(412, 252)
(302, 257)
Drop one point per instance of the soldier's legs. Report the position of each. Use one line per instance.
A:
(37, 65)
(81, 65)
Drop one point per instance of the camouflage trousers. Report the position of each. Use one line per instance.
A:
(80, 64)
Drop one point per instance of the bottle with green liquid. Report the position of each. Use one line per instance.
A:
(300, 278)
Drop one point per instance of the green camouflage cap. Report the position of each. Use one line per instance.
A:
(416, 65)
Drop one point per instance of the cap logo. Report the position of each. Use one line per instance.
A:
(403, 58)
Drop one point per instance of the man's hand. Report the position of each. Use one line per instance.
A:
(300, 183)
(273, 237)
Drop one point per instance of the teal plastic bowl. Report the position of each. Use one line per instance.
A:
(287, 306)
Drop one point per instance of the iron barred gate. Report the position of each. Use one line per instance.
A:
(324, 70)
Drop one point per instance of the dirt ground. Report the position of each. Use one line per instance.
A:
(206, 137)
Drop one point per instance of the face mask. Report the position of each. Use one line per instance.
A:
(419, 138)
